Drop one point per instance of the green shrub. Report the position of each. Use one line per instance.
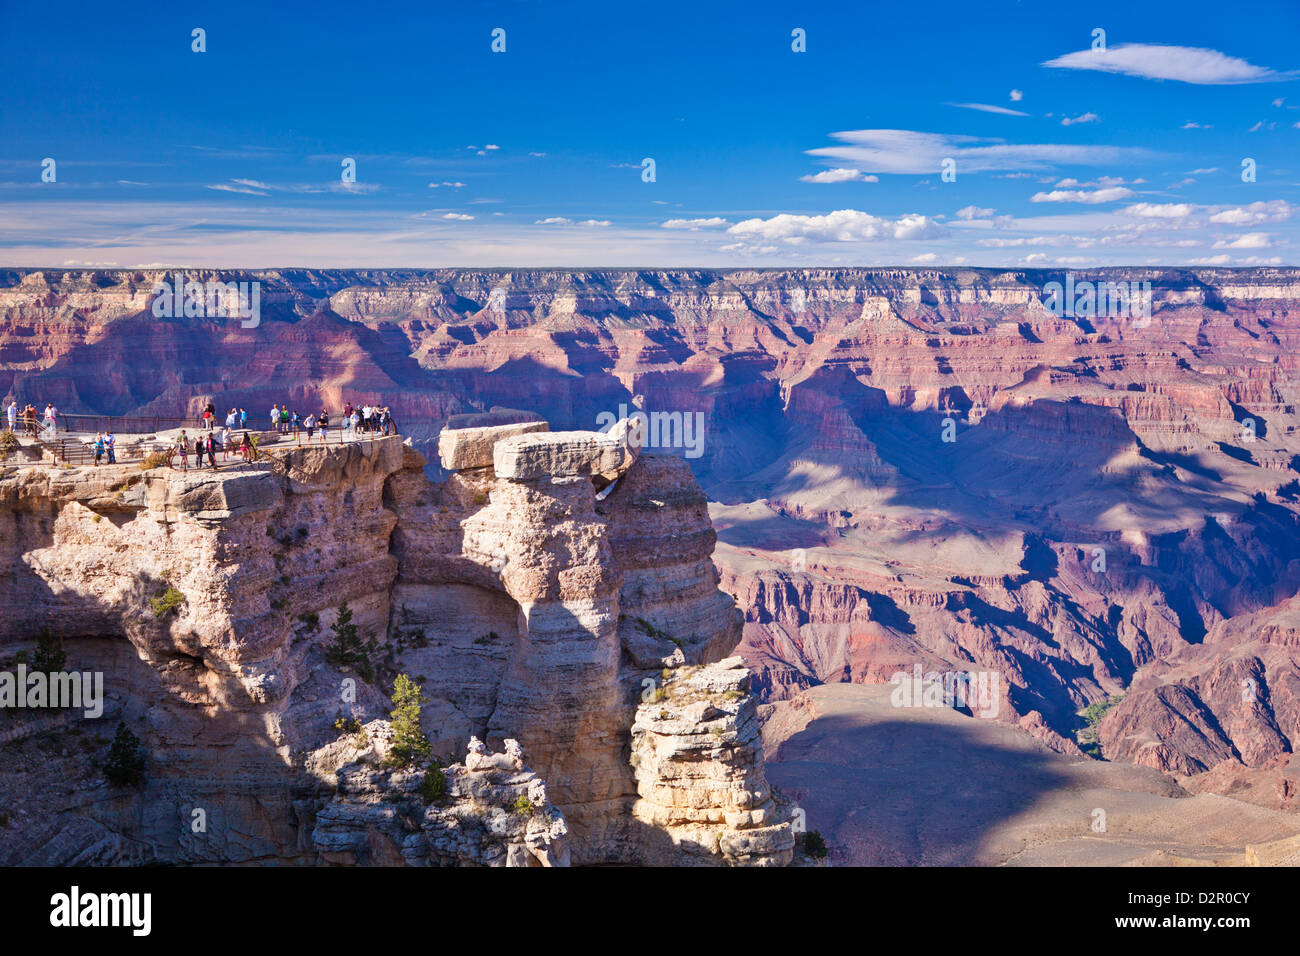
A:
(167, 603)
(522, 805)
(814, 845)
(347, 650)
(311, 620)
(433, 788)
(125, 764)
(409, 743)
(155, 459)
(49, 653)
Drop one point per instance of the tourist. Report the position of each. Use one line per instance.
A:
(354, 421)
(12, 413)
(310, 425)
(323, 420)
(212, 450)
(284, 419)
(246, 447)
(293, 424)
(243, 417)
(29, 419)
(275, 418)
(225, 443)
(110, 443)
(209, 414)
(99, 448)
(183, 447)
(231, 418)
(198, 452)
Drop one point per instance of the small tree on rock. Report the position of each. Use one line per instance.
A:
(409, 743)
(347, 649)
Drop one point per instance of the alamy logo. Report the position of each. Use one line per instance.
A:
(75, 909)
(1087, 299)
(976, 691)
(675, 430)
(208, 300)
(56, 689)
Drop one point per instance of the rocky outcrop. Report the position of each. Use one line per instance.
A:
(217, 602)
(698, 754)
(490, 810)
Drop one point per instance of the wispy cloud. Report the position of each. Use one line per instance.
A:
(987, 108)
(1155, 61)
(712, 222)
(910, 151)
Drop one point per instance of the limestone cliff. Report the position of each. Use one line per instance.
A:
(529, 608)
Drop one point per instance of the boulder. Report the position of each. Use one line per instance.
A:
(566, 454)
(461, 448)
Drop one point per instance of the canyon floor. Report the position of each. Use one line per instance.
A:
(918, 786)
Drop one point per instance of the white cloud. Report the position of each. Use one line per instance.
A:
(1249, 240)
(457, 216)
(1190, 125)
(925, 258)
(491, 146)
(843, 225)
(227, 188)
(974, 212)
(561, 221)
(1016, 96)
(839, 176)
(1084, 118)
(986, 108)
(1205, 171)
(910, 152)
(452, 185)
(1152, 210)
(693, 224)
(1273, 210)
(1156, 61)
(1111, 194)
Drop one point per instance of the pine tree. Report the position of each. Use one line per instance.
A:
(125, 764)
(409, 743)
(347, 649)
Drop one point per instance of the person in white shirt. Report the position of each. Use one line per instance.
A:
(13, 414)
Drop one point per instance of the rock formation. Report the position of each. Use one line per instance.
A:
(528, 611)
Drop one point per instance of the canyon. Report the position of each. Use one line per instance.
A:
(899, 467)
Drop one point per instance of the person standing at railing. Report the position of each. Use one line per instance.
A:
(110, 444)
(183, 449)
(275, 418)
(323, 420)
(12, 413)
(225, 443)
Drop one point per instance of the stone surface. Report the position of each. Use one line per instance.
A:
(564, 454)
(461, 448)
(698, 754)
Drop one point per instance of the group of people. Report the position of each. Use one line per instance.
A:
(207, 446)
(105, 447)
(31, 422)
(235, 418)
(368, 419)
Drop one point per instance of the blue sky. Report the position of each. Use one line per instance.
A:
(1064, 154)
